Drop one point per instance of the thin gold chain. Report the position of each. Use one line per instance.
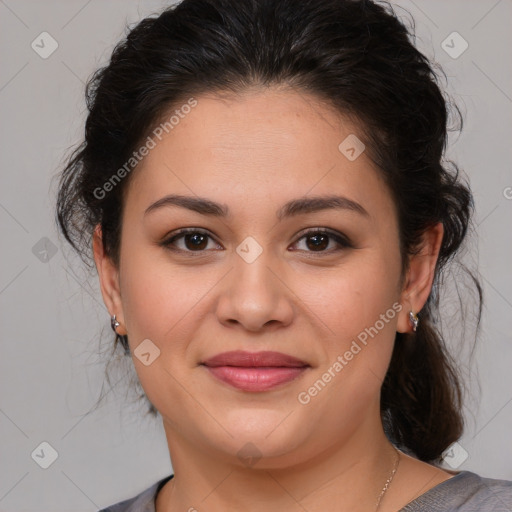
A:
(389, 480)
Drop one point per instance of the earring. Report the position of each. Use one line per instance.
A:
(414, 320)
(123, 338)
(114, 323)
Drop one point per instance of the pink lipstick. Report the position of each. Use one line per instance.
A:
(255, 371)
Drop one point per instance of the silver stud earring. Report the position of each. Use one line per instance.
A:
(414, 320)
(123, 338)
(114, 323)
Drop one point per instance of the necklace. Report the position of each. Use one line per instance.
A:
(388, 481)
(384, 489)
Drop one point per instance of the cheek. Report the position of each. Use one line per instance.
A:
(358, 308)
(163, 304)
(353, 296)
(163, 301)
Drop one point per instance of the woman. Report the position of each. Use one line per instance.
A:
(263, 185)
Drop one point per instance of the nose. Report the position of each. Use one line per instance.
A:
(255, 297)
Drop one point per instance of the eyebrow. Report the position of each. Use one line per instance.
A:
(292, 208)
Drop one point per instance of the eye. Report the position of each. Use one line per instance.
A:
(194, 240)
(317, 240)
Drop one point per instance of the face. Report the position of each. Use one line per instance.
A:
(264, 268)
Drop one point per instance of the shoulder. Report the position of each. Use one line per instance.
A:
(465, 492)
(142, 502)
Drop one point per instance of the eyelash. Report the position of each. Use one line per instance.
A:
(341, 240)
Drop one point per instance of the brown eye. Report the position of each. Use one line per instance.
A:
(319, 241)
(193, 240)
(316, 241)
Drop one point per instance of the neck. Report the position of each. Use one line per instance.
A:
(349, 476)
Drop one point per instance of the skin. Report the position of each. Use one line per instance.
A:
(254, 152)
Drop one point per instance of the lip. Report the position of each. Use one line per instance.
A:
(255, 371)
(246, 359)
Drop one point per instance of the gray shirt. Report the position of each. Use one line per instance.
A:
(465, 492)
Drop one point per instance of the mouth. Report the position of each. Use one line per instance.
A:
(255, 371)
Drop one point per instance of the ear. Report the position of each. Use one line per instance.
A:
(108, 275)
(420, 276)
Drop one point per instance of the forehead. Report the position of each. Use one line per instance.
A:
(263, 143)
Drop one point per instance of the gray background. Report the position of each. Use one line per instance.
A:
(52, 315)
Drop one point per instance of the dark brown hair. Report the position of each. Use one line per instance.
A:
(357, 56)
